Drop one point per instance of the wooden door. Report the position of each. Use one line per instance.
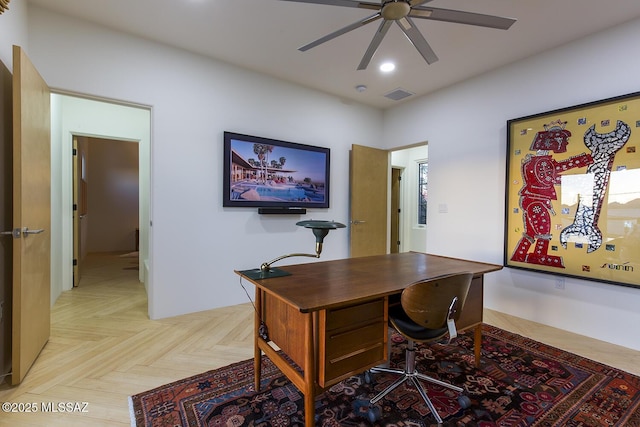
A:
(368, 179)
(80, 189)
(76, 213)
(31, 215)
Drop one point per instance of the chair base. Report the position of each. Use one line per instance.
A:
(410, 374)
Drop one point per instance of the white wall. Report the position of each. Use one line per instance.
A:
(13, 31)
(195, 243)
(466, 129)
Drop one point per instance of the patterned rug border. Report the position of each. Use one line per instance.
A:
(559, 353)
(560, 411)
(558, 415)
(269, 371)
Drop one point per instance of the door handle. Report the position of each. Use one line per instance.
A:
(357, 221)
(26, 231)
(15, 233)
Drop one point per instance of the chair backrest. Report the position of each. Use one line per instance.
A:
(427, 302)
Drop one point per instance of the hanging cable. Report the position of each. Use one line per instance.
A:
(263, 332)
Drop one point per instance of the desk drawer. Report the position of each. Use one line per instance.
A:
(355, 314)
(352, 339)
(339, 345)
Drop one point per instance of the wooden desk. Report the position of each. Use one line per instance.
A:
(330, 318)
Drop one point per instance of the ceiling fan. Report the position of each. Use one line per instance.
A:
(402, 12)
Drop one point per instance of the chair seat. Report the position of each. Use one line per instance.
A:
(410, 329)
(430, 302)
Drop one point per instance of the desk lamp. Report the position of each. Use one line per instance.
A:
(320, 229)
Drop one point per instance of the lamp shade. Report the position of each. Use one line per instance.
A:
(320, 228)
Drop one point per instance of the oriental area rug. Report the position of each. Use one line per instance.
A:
(521, 382)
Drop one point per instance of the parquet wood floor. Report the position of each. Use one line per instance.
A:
(103, 348)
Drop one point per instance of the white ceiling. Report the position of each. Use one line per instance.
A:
(264, 35)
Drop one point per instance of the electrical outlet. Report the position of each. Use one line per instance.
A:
(560, 283)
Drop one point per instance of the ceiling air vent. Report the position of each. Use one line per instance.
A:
(398, 94)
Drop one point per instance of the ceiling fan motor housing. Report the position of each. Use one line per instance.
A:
(395, 9)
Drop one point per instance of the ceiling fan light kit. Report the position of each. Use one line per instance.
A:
(394, 10)
(401, 12)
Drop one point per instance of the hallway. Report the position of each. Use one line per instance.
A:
(103, 347)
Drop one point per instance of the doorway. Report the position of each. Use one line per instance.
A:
(74, 115)
(106, 200)
(411, 231)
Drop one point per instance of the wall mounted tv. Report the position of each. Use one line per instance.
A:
(275, 176)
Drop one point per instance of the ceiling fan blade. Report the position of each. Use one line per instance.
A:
(375, 43)
(461, 17)
(417, 39)
(340, 32)
(343, 3)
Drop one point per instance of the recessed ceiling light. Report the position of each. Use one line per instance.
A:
(387, 67)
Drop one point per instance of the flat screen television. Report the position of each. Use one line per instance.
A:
(269, 173)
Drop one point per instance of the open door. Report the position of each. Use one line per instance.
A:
(369, 181)
(78, 211)
(394, 240)
(31, 215)
(76, 215)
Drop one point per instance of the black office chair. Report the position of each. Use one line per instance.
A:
(427, 312)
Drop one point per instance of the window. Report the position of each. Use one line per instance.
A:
(423, 169)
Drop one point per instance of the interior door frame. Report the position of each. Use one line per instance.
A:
(81, 115)
(396, 213)
(406, 224)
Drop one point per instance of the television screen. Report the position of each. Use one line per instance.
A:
(263, 172)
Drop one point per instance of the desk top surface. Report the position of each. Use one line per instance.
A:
(320, 285)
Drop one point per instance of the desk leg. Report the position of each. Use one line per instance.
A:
(477, 344)
(257, 353)
(309, 373)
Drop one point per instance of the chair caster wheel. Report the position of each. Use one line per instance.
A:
(364, 408)
(359, 404)
(374, 414)
(368, 377)
(464, 401)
